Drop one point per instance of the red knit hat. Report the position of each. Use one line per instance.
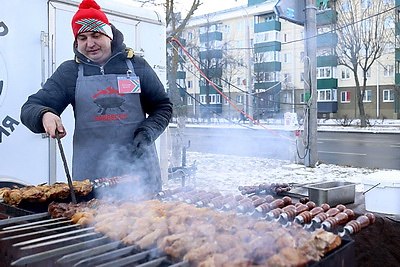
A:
(90, 18)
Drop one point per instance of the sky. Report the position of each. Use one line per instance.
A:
(209, 6)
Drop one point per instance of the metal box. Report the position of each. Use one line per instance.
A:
(333, 193)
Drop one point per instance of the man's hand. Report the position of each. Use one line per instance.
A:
(141, 143)
(51, 122)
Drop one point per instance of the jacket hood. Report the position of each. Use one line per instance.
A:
(117, 45)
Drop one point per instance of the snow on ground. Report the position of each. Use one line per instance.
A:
(224, 173)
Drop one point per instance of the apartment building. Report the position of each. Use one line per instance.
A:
(249, 59)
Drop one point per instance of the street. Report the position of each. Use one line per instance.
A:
(354, 149)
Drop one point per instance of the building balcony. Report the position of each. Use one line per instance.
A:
(397, 78)
(397, 29)
(210, 36)
(212, 53)
(327, 83)
(326, 61)
(256, 2)
(268, 67)
(268, 46)
(271, 25)
(213, 72)
(327, 16)
(276, 86)
(397, 54)
(210, 89)
(327, 107)
(328, 39)
(211, 108)
(181, 75)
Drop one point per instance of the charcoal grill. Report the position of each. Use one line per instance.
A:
(35, 239)
(38, 240)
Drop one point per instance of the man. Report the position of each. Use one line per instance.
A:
(120, 105)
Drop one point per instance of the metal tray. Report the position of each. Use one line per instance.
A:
(333, 193)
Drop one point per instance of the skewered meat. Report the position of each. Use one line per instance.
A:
(274, 188)
(277, 203)
(42, 193)
(2, 190)
(354, 226)
(12, 197)
(289, 214)
(201, 235)
(306, 216)
(288, 256)
(340, 218)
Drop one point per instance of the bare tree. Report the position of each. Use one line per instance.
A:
(362, 37)
(234, 66)
(175, 26)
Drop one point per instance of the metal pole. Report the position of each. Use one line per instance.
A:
(249, 80)
(311, 82)
(248, 99)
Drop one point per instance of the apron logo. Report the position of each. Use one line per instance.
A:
(110, 99)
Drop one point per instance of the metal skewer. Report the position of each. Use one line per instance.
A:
(71, 187)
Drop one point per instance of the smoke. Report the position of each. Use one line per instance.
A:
(242, 142)
(126, 177)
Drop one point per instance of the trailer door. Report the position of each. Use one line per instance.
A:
(23, 155)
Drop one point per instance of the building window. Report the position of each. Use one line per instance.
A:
(302, 77)
(203, 99)
(389, 23)
(286, 37)
(302, 56)
(227, 28)
(189, 84)
(267, 76)
(324, 52)
(240, 26)
(226, 102)
(302, 98)
(287, 78)
(190, 35)
(388, 71)
(366, 3)
(327, 95)
(346, 6)
(287, 58)
(269, 56)
(345, 97)
(287, 98)
(215, 99)
(239, 99)
(388, 95)
(345, 74)
(326, 72)
(189, 100)
(269, 36)
(388, 2)
(367, 96)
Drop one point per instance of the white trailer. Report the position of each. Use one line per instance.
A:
(35, 38)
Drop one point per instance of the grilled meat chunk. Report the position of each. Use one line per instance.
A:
(42, 193)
